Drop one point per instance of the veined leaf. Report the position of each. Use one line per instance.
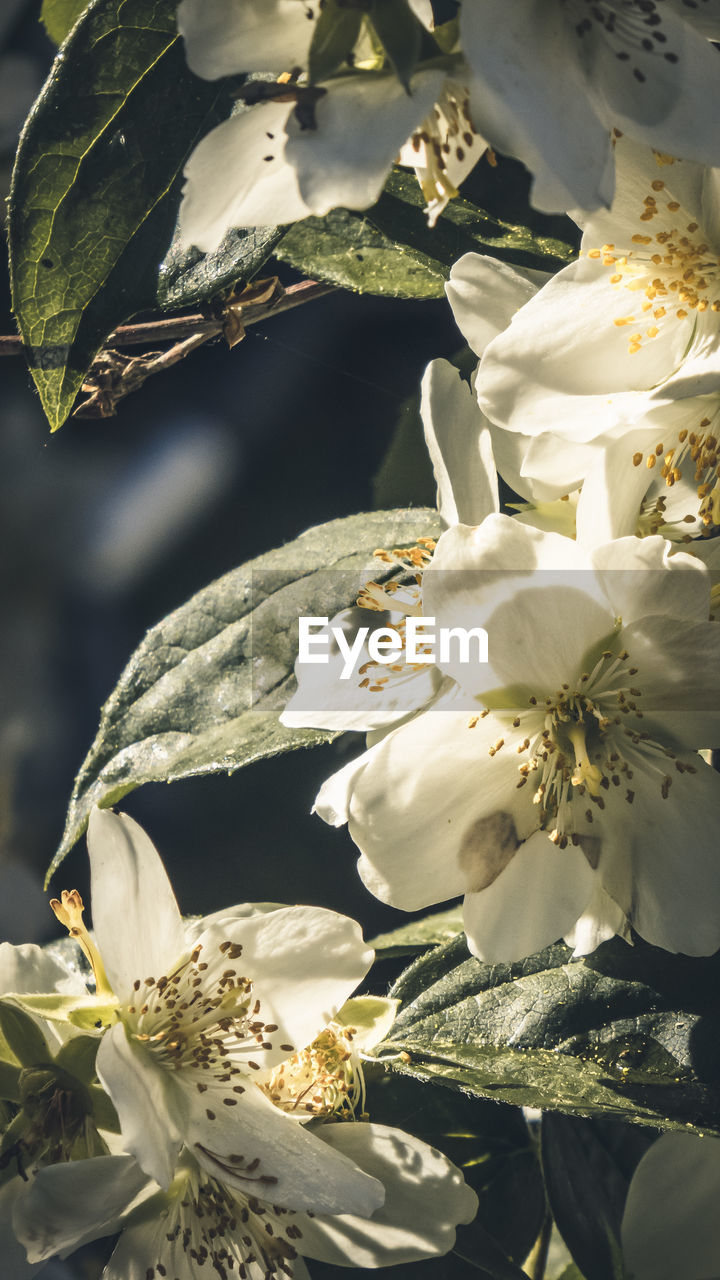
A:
(203, 691)
(391, 251)
(90, 204)
(631, 1033)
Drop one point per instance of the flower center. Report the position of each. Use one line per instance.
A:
(584, 746)
(326, 1079)
(696, 451)
(234, 1234)
(670, 273)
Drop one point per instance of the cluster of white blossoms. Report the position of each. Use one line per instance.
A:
(205, 1098)
(334, 92)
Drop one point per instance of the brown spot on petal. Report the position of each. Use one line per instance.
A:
(486, 849)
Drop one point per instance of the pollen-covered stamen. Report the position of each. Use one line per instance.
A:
(326, 1079)
(670, 269)
(203, 1019)
(445, 149)
(205, 1224)
(570, 744)
(68, 909)
(696, 451)
(396, 596)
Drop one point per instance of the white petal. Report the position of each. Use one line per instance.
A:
(433, 814)
(237, 176)
(223, 37)
(333, 798)
(668, 105)
(139, 1087)
(361, 124)
(66, 1205)
(304, 962)
(519, 584)
(15, 1261)
(671, 1225)
(136, 919)
(540, 896)
(28, 968)
(670, 846)
(635, 574)
(485, 293)
(528, 92)
(458, 441)
(426, 1198)
(301, 1172)
(326, 699)
(613, 489)
(601, 919)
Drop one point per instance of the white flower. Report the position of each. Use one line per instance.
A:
(199, 1219)
(671, 1226)
(617, 359)
(305, 149)
(197, 1018)
(558, 787)
(459, 443)
(551, 81)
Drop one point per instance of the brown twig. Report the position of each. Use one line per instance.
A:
(178, 327)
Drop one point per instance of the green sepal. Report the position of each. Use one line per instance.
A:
(78, 1057)
(85, 1011)
(401, 36)
(335, 35)
(23, 1035)
(9, 1082)
(104, 1113)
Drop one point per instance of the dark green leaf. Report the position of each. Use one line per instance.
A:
(335, 34)
(95, 186)
(400, 35)
(78, 1056)
(632, 1033)
(422, 934)
(60, 16)
(9, 1083)
(587, 1167)
(187, 276)
(203, 691)
(572, 1273)
(346, 249)
(391, 251)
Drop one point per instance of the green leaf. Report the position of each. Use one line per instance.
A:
(587, 1167)
(95, 186)
(188, 276)
(203, 691)
(430, 931)
(492, 1146)
(60, 16)
(631, 1033)
(346, 249)
(391, 251)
